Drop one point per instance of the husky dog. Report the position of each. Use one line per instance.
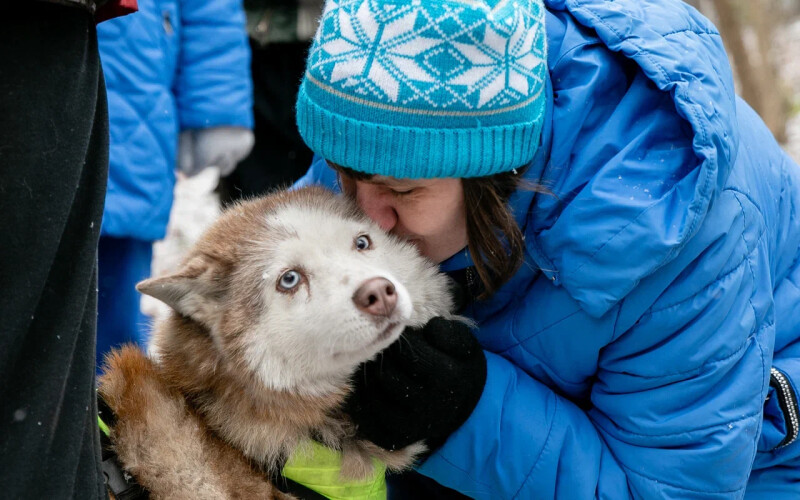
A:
(273, 310)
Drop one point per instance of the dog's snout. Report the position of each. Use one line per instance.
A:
(376, 296)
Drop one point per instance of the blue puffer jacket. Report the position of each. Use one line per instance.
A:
(174, 65)
(636, 362)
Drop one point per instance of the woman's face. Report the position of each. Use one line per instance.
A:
(429, 213)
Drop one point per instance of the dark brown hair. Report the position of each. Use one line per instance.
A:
(494, 238)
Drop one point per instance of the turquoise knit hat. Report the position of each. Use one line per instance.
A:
(426, 88)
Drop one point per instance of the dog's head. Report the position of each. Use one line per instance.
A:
(299, 288)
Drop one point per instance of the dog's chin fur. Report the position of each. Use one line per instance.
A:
(247, 370)
(328, 379)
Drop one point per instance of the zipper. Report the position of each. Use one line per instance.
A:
(788, 403)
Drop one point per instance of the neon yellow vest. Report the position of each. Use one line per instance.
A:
(317, 467)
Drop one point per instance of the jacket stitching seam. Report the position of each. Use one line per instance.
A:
(542, 330)
(745, 257)
(451, 464)
(571, 50)
(707, 362)
(690, 30)
(792, 214)
(544, 446)
(743, 261)
(749, 264)
(704, 134)
(552, 373)
(688, 431)
(723, 424)
(683, 488)
(787, 279)
(621, 39)
(736, 191)
(660, 310)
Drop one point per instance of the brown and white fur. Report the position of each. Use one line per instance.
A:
(246, 369)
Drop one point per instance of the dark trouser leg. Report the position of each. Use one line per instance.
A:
(122, 263)
(53, 168)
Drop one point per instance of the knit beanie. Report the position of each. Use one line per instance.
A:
(426, 88)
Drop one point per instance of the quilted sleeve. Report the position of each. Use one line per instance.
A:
(213, 85)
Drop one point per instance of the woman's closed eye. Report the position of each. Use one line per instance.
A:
(401, 192)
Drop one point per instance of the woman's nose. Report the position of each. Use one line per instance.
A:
(376, 205)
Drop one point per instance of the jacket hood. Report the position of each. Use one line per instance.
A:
(634, 182)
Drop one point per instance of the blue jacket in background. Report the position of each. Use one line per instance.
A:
(630, 356)
(172, 66)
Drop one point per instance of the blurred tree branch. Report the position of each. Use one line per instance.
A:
(757, 77)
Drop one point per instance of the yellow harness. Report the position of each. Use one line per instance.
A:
(317, 468)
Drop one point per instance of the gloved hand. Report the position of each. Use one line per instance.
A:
(221, 147)
(421, 388)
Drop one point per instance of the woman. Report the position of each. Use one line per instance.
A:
(637, 316)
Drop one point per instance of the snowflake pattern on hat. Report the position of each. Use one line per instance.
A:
(466, 57)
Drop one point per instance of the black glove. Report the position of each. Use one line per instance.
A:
(421, 388)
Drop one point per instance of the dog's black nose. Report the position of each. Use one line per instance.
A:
(376, 296)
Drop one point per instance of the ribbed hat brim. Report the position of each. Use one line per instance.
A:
(406, 152)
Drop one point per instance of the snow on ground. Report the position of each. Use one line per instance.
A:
(196, 205)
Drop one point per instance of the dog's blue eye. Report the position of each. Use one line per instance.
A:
(289, 280)
(363, 242)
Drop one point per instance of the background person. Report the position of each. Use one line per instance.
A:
(280, 33)
(639, 327)
(53, 168)
(177, 67)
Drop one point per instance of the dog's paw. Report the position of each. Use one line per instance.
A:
(128, 380)
(401, 459)
(357, 458)
(356, 461)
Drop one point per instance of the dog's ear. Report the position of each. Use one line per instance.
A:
(196, 290)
